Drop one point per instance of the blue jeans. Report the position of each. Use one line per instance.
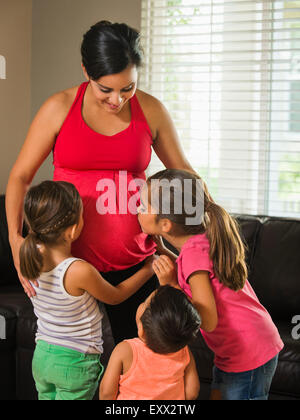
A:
(250, 385)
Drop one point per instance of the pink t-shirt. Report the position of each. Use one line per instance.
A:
(246, 337)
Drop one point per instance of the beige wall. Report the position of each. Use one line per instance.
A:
(41, 42)
(58, 27)
(15, 109)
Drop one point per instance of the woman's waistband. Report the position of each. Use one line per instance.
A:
(100, 171)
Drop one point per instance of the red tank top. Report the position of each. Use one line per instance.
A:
(104, 169)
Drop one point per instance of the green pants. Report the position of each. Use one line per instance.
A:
(65, 374)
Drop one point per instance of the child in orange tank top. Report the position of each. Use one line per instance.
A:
(158, 364)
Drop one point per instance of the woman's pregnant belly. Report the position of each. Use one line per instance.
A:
(111, 238)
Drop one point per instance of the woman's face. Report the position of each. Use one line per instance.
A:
(112, 92)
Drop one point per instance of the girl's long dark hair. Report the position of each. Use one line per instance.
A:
(227, 250)
(170, 322)
(50, 208)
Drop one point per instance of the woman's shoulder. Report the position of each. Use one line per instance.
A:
(56, 107)
(62, 99)
(149, 102)
(154, 110)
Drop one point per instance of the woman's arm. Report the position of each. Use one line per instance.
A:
(38, 145)
(167, 145)
(191, 380)
(82, 276)
(109, 387)
(204, 301)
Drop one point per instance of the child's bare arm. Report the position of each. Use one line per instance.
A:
(82, 276)
(204, 300)
(191, 380)
(109, 387)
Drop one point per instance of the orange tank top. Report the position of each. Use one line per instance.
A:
(154, 376)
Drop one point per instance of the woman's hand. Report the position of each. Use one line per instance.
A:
(29, 290)
(166, 271)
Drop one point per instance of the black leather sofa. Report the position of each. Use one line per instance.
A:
(274, 272)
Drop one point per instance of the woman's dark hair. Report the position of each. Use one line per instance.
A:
(227, 251)
(109, 48)
(50, 208)
(170, 322)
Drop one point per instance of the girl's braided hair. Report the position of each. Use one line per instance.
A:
(50, 208)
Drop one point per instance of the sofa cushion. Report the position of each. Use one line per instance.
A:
(14, 300)
(204, 358)
(8, 323)
(8, 274)
(26, 328)
(249, 227)
(287, 378)
(276, 267)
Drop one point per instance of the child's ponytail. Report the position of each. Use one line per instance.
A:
(49, 209)
(227, 250)
(31, 259)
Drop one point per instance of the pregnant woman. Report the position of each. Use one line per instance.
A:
(102, 134)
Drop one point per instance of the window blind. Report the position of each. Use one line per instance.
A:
(228, 71)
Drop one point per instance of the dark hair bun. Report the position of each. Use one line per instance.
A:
(109, 48)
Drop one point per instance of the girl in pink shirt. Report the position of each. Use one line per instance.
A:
(211, 270)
